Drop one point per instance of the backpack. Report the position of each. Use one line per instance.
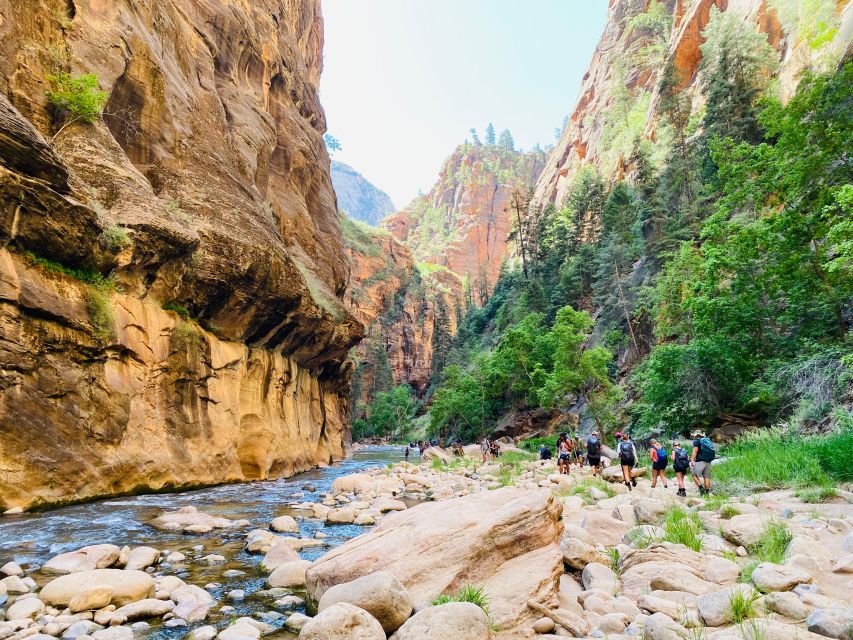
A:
(662, 459)
(682, 460)
(706, 450)
(626, 453)
(593, 448)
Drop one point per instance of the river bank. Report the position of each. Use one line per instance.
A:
(544, 555)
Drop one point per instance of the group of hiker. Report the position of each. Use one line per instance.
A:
(697, 461)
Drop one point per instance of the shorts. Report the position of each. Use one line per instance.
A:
(702, 470)
(594, 461)
(680, 469)
(659, 465)
(564, 456)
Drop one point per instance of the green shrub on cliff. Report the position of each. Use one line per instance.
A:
(469, 593)
(76, 97)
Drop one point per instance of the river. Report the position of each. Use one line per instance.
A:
(32, 539)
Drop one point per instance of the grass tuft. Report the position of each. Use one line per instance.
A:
(772, 544)
(582, 488)
(742, 606)
(469, 593)
(813, 495)
(682, 526)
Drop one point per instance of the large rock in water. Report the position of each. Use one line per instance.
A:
(128, 586)
(505, 540)
(380, 594)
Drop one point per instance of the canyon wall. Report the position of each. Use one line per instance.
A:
(171, 273)
(464, 222)
(401, 307)
(619, 93)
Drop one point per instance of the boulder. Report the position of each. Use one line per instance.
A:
(344, 515)
(141, 558)
(289, 574)
(114, 633)
(24, 608)
(776, 577)
(342, 621)
(672, 578)
(649, 510)
(452, 621)
(435, 453)
(80, 628)
(190, 593)
(96, 556)
(384, 505)
(96, 597)
(578, 554)
(202, 633)
(261, 540)
(599, 576)
(13, 585)
(786, 604)
(128, 586)
(575, 531)
(278, 555)
(832, 623)
(191, 520)
(614, 473)
(192, 611)
(239, 631)
(722, 570)
(380, 594)
(744, 530)
(11, 569)
(147, 608)
(353, 483)
(660, 626)
(505, 540)
(715, 608)
(284, 524)
(603, 529)
(642, 534)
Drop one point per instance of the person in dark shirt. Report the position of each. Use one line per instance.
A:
(700, 462)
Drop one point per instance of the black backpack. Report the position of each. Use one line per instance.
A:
(682, 460)
(626, 453)
(593, 448)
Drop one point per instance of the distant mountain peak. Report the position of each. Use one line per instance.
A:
(359, 198)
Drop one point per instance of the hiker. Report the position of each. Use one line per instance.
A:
(700, 461)
(485, 449)
(406, 453)
(659, 463)
(680, 464)
(593, 452)
(627, 458)
(618, 437)
(578, 450)
(495, 450)
(544, 452)
(565, 453)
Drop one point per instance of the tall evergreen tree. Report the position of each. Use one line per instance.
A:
(506, 142)
(490, 134)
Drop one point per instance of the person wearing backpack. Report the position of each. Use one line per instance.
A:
(680, 464)
(659, 462)
(627, 458)
(593, 452)
(703, 455)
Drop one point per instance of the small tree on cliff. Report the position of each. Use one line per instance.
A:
(332, 143)
(475, 137)
(490, 135)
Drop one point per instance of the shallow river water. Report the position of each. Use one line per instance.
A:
(32, 539)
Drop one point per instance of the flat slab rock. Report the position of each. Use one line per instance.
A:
(506, 540)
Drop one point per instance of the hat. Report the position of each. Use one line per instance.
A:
(594, 433)
(697, 432)
(618, 434)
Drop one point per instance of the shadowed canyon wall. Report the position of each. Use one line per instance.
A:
(171, 274)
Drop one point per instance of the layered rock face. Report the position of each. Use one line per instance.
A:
(400, 307)
(464, 222)
(171, 274)
(359, 198)
(626, 66)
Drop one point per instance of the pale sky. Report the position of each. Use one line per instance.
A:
(404, 80)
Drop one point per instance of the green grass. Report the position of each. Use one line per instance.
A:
(361, 237)
(582, 489)
(81, 274)
(613, 554)
(813, 495)
(777, 458)
(772, 544)
(533, 444)
(728, 511)
(682, 526)
(512, 457)
(742, 606)
(177, 308)
(116, 238)
(100, 311)
(469, 593)
(437, 464)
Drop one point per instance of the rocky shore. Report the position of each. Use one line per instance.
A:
(463, 550)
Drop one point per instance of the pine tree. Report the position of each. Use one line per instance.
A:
(490, 134)
(441, 337)
(505, 141)
(475, 137)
